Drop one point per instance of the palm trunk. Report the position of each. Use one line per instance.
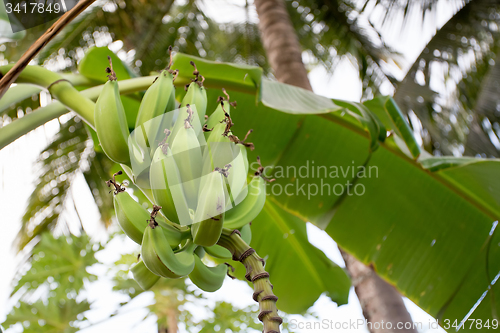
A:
(171, 314)
(281, 43)
(380, 301)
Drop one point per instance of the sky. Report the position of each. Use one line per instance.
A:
(17, 177)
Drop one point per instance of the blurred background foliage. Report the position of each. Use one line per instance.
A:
(450, 94)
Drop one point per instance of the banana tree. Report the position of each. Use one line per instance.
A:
(397, 200)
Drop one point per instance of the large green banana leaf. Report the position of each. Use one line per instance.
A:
(427, 224)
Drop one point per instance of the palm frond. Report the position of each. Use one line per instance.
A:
(443, 87)
(405, 9)
(333, 29)
(69, 154)
(57, 165)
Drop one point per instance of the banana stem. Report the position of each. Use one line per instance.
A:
(263, 289)
(40, 116)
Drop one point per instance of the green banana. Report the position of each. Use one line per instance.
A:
(196, 95)
(218, 151)
(188, 156)
(209, 215)
(143, 276)
(174, 235)
(166, 186)
(158, 99)
(237, 178)
(111, 121)
(160, 259)
(140, 159)
(249, 207)
(133, 218)
(218, 115)
(180, 116)
(206, 278)
(218, 251)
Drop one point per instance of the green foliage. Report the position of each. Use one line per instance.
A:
(226, 317)
(95, 62)
(49, 289)
(63, 258)
(50, 316)
(292, 260)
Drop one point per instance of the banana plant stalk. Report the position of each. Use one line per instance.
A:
(255, 273)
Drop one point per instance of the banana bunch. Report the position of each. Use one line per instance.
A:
(191, 167)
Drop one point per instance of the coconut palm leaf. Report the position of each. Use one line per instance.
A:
(70, 153)
(404, 9)
(333, 29)
(56, 167)
(445, 84)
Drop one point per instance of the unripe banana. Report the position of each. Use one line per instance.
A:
(206, 278)
(140, 159)
(111, 121)
(160, 259)
(174, 235)
(158, 99)
(217, 134)
(218, 151)
(133, 219)
(196, 95)
(212, 202)
(249, 207)
(188, 156)
(180, 116)
(166, 186)
(243, 151)
(237, 178)
(218, 251)
(143, 276)
(218, 115)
